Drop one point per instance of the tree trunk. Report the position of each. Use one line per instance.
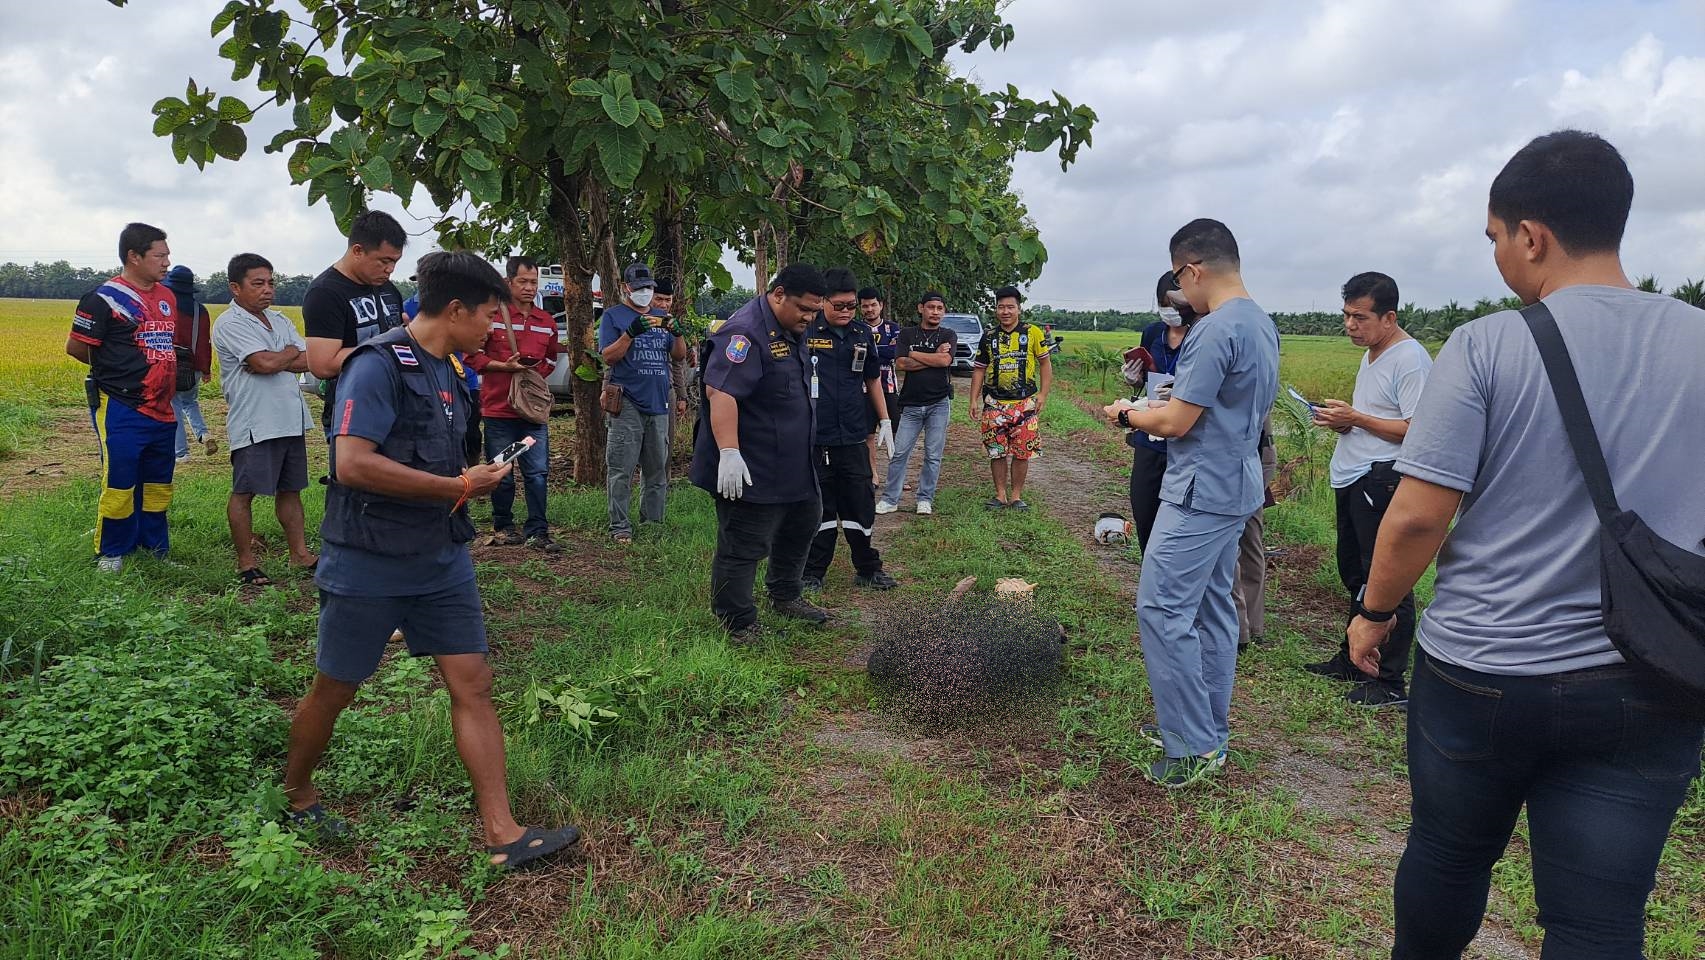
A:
(669, 258)
(569, 230)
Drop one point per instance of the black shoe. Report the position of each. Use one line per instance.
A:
(508, 537)
(811, 584)
(1337, 668)
(748, 636)
(543, 543)
(880, 580)
(801, 609)
(1375, 694)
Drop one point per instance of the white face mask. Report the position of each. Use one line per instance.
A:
(1172, 317)
(640, 298)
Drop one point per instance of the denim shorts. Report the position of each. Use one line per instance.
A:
(354, 630)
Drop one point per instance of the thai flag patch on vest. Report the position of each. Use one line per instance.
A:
(405, 354)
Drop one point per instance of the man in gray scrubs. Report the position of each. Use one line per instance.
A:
(1227, 375)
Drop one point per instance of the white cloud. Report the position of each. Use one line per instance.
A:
(1332, 135)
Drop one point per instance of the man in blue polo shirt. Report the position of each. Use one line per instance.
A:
(1227, 375)
(752, 449)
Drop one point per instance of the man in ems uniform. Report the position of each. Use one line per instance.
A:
(846, 383)
(752, 449)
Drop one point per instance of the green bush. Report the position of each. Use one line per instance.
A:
(139, 733)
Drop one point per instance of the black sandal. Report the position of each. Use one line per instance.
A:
(316, 821)
(252, 577)
(534, 845)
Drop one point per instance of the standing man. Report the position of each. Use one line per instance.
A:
(870, 308)
(1371, 428)
(353, 301)
(639, 345)
(266, 419)
(925, 354)
(523, 337)
(1520, 698)
(1227, 374)
(752, 450)
(123, 330)
(845, 383)
(1008, 400)
(1249, 590)
(192, 334)
(663, 305)
(396, 538)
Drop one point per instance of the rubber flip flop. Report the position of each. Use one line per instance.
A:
(253, 577)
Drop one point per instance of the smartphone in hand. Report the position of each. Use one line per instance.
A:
(512, 451)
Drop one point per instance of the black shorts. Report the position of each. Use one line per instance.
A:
(270, 467)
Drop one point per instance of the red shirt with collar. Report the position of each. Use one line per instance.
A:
(535, 335)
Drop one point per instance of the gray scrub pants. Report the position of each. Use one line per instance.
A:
(1188, 624)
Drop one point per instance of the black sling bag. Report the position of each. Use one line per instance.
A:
(1653, 592)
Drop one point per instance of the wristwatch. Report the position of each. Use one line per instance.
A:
(1125, 419)
(1371, 616)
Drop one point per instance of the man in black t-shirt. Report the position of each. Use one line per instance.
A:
(353, 300)
(924, 353)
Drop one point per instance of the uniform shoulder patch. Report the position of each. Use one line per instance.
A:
(456, 365)
(405, 354)
(716, 324)
(738, 349)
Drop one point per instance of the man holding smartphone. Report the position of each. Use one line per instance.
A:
(522, 337)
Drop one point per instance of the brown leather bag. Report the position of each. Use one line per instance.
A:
(610, 401)
(529, 395)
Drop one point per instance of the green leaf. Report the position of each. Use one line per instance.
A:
(477, 160)
(376, 173)
(422, 55)
(230, 108)
(586, 87)
(920, 40)
(621, 106)
(876, 44)
(773, 137)
(621, 152)
(484, 186)
(229, 141)
(428, 119)
(224, 17)
(737, 85)
(411, 90)
(652, 113)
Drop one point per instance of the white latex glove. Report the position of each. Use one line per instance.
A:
(732, 477)
(885, 437)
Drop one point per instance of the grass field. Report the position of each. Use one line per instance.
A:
(738, 803)
(1319, 367)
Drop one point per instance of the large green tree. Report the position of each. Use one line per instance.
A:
(572, 128)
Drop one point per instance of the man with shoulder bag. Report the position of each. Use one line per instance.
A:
(1562, 662)
(515, 403)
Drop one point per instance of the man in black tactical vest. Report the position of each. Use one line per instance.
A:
(847, 387)
(395, 546)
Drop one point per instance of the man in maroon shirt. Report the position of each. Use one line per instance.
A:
(123, 330)
(534, 335)
(193, 333)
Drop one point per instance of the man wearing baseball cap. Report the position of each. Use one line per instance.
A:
(638, 346)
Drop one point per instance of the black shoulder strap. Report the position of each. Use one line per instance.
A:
(1577, 421)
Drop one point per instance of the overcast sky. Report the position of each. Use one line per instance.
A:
(1333, 136)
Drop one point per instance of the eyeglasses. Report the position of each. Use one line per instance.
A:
(1178, 275)
(843, 306)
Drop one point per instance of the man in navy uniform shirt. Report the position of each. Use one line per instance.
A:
(752, 448)
(846, 383)
(395, 552)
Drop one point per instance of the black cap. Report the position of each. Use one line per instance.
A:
(931, 295)
(638, 277)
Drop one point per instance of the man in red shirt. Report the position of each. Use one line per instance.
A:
(533, 334)
(194, 334)
(123, 330)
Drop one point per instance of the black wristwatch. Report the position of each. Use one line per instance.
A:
(1125, 419)
(1371, 616)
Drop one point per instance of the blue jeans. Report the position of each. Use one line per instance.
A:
(930, 420)
(533, 466)
(1187, 621)
(187, 405)
(1602, 769)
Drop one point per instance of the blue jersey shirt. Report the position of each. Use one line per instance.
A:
(764, 368)
(643, 374)
(1230, 367)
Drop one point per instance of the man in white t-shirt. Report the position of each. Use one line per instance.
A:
(1371, 428)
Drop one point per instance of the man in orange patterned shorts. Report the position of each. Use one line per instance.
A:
(1010, 380)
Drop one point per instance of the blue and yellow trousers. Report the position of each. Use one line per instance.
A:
(136, 478)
